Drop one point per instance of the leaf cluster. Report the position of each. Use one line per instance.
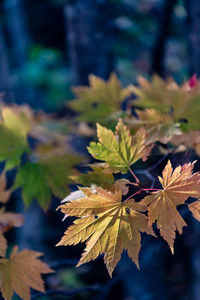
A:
(110, 218)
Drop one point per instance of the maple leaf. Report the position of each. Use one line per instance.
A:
(20, 272)
(97, 102)
(96, 176)
(188, 140)
(107, 224)
(4, 194)
(120, 150)
(177, 186)
(41, 179)
(14, 128)
(182, 102)
(7, 221)
(159, 126)
(3, 245)
(195, 209)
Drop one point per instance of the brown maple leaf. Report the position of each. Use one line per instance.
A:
(107, 224)
(4, 194)
(20, 272)
(7, 221)
(3, 245)
(177, 186)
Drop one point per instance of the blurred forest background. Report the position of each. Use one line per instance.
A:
(48, 46)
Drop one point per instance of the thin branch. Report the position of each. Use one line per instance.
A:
(133, 183)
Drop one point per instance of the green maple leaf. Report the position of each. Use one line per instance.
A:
(120, 150)
(41, 179)
(96, 176)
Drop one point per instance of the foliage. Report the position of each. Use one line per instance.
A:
(20, 272)
(121, 150)
(110, 216)
(114, 206)
(101, 101)
(37, 147)
(107, 224)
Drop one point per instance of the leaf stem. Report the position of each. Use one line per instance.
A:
(134, 183)
(142, 190)
(133, 174)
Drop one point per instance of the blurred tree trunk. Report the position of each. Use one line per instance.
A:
(5, 78)
(89, 39)
(17, 28)
(20, 41)
(193, 9)
(161, 38)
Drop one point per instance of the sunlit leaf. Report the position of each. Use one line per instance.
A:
(107, 224)
(120, 150)
(177, 186)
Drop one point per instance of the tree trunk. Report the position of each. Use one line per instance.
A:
(193, 8)
(162, 34)
(5, 77)
(89, 39)
(17, 29)
(20, 41)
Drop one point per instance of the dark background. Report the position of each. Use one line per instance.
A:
(47, 46)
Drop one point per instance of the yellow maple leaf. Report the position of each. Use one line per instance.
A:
(107, 224)
(177, 186)
(99, 101)
(182, 102)
(159, 126)
(20, 272)
(122, 149)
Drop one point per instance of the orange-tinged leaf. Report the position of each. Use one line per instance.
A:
(20, 272)
(195, 209)
(4, 194)
(3, 245)
(107, 224)
(9, 220)
(177, 186)
(120, 150)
